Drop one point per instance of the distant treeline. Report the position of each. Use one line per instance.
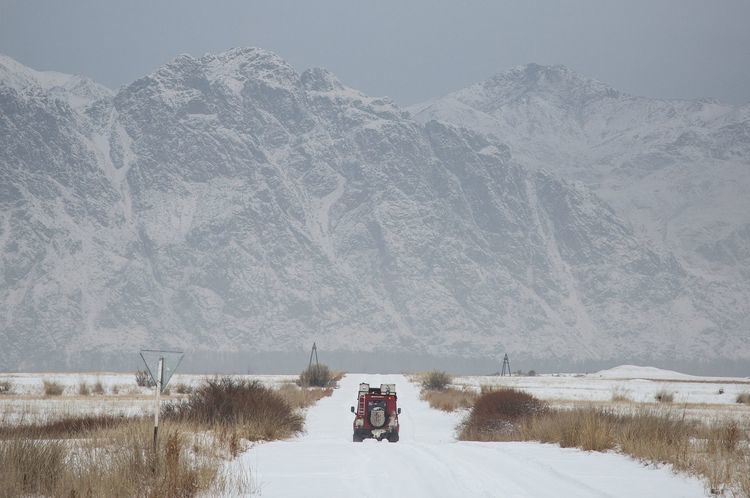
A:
(278, 362)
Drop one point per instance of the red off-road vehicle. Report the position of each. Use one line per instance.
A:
(376, 414)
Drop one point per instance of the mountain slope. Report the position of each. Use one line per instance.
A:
(230, 203)
(677, 170)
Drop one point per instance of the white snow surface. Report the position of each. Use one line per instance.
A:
(639, 372)
(428, 461)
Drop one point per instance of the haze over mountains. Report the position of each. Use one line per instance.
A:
(229, 203)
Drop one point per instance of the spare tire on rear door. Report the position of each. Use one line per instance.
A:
(377, 416)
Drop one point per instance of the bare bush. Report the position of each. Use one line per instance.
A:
(183, 388)
(497, 413)
(743, 398)
(83, 389)
(52, 388)
(258, 413)
(450, 399)
(317, 375)
(436, 380)
(6, 387)
(664, 396)
(143, 379)
(620, 395)
(98, 388)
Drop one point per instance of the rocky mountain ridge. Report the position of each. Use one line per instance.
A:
(230, 203)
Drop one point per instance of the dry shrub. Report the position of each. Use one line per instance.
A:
(6, 387)
(318, 375)
(83, 389)
(183, 388)
(143, 379)
(114, 463)
(664, 396)
(258, 412)
(450, 399)
(299, 398)
(496, 414)
(98, 388)
(436, 381)
(586, 429)
(620, 395)
(743, 398)
(52, 388)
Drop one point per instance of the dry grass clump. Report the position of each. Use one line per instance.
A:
(67, 427)
(436, 381)
(115, 463)
(299, 398)
(98, 388)
(52, 388)
(143, 379)
(31, 468)
(664, 396)
(182, 388)
(318, 375)
(450, 399)
(6, 387)
(620, 395)
(496, 414)
(743, 398)
(255, 411)
(719, 452)
(83, 389)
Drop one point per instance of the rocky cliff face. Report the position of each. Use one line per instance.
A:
(677, 170)
(230, 203)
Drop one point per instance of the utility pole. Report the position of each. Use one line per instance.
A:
(506, 366)
(313, 351)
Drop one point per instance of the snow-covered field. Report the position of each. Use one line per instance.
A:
(698, 397)
(637, 383)
(429, 462)
(122, 396)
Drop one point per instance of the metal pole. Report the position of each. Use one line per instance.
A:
(160, 375)
(314, 351)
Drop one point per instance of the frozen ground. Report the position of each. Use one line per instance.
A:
(428, 461)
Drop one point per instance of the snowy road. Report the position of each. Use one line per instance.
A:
(428, 461)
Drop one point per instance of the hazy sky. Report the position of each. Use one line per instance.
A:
(408, 50)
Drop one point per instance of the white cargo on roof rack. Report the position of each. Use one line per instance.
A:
(364, 387)
(387, 388)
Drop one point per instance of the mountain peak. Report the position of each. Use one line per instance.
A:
(76, 89)
(556, 80)
(321, 80)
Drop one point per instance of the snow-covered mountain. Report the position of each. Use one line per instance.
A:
(677, 170)
(230, 203)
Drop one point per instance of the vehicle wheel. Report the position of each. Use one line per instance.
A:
(393, 438)
(356, 438)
